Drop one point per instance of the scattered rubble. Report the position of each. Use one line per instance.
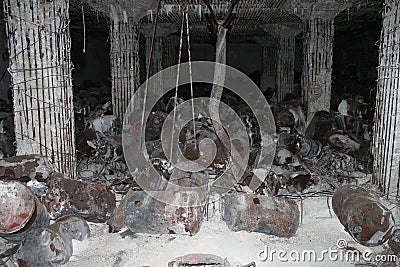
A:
(332, 151)
(366, 219)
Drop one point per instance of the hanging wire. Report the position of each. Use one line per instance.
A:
(190, 76)
(177, 84)
(84, 29)
(148, 72)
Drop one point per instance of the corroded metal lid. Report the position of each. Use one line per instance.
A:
(17, 206)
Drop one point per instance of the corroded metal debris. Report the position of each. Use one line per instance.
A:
(199, 260)
(154, 125)
(20, 211)
(366, 220)
(93, 202)
(117, 221)
(269, 215)
(25, 168)
(394, 242)
(320, 126)
(283, 118)
(52, 245)
(304, 147)
(344, 143)
(274, 182)
(32, 170)
(145, 214)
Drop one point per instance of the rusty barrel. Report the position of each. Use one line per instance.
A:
(25, 168)
(365, 218)
(92, 202)
(304, 147)
(254, 213)
(199, 260)
(144, 213)
(52, 245)
(20, 211)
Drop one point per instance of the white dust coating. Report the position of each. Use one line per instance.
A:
(319, 231)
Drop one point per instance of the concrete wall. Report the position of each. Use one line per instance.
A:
(246, 57)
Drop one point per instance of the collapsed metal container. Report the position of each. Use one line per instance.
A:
(25, 168)
(31, 170)
(93, 202)
(52, 245)
(20, 211)
(268, 215)
(199, 260)
(364, 217)
(146, 214)
(304, 147)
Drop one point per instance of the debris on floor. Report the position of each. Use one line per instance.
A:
(366, 219)
(269, 215)
(145, 214)
(52, 245)
(328, 158)
(20, 211)
(32, 170)
(93, 202)
(199, 260)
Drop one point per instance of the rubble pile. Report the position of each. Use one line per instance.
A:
(333, 149)
(43, 211)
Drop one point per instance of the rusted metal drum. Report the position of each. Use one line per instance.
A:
(145, 214)
(268, 215)
(25, 168)
(366, 219)
(199, 260)
(304, 147)
(92, 202)
(52, 245)
(20, 211)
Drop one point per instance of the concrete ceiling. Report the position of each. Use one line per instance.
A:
(249, 14)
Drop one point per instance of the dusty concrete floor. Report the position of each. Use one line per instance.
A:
(319, 231)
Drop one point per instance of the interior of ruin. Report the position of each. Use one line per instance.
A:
(199, 132)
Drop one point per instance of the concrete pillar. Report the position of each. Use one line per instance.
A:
(171, 51)
(285, 34)
(268, 62)
(40, 67)
(318, 22)
(316, 81)
(386, 144)
(124, 58)
(156, 63)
